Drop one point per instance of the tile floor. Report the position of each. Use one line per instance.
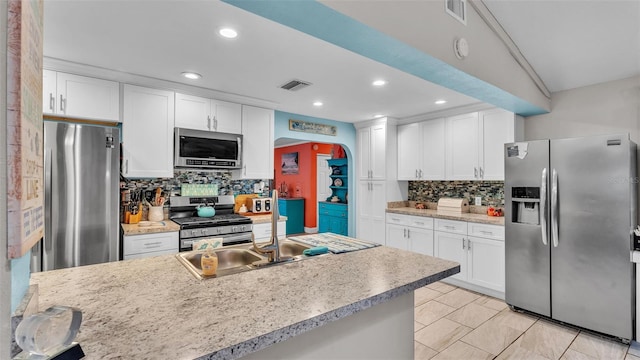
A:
(453, 323)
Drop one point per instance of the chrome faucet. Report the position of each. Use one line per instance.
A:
(272, 248)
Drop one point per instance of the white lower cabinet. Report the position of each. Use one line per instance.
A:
(479, 248)
(262, 232)
(412, 233)
(452, 247)
(147, 245)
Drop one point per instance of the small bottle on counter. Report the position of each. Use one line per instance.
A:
(209, 263)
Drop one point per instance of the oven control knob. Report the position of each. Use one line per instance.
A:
(234, 229)
(194, 232)
(204, 232)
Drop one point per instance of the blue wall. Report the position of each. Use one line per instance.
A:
(346, 136)
(20, 273)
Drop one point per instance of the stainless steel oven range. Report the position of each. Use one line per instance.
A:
(232, 228)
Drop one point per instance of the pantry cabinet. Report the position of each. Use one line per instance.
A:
(377, 174)
(371, 152)
(83, 97)
(421, 150)
(257, 143)
(147, 132)
(194, 112)
(475, 144)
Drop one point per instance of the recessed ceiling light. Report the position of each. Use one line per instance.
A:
(317, 103)
(440, 102)
(379, 83)
(378, 116)
(191, 75)
(229, 33)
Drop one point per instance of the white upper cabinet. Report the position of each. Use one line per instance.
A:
(421, 150)
(257, 143)
(475, 144)
(462, 147)
(498, 128)
(194, 112)
(78, 96)
(227, 117)
(147, 132)
(372, 152)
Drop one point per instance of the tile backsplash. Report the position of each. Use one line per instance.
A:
(431, 191)
(226, 185)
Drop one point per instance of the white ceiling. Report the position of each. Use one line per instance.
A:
(568, 43)
(574, 43)
(161, 39)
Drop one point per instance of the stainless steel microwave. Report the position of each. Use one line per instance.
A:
(199, 149)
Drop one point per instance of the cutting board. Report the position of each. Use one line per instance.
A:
(243, 199)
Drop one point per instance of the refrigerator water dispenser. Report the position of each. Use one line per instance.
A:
(526, 205)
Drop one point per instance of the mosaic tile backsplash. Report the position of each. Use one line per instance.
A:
(226, 185)
(431, 191)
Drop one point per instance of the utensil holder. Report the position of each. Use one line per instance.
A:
(156, 213)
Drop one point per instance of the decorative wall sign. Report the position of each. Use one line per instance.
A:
(25, 169)
(290, 163)
(315, 128)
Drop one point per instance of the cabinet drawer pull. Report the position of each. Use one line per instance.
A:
(419, 222)
(153, 243)
(449, 227)
(486, 232)
(395, 219)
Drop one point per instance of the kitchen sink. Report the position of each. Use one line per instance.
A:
(239, 258)
(230, 261)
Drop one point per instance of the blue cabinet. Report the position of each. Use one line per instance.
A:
(293, 209)
(333, 218)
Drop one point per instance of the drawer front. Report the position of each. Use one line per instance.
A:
(495, 232)
(333, 210)
(261, 231)
(422, 222)
(451, 226)
(138, 244)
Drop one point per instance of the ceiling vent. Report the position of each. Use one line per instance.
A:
(457, 9)
(295, 85)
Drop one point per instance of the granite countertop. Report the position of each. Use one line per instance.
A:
(470, 217)
(135, 229)
(154, 308)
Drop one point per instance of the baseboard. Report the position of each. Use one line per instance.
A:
(476, 288)
(310, 230)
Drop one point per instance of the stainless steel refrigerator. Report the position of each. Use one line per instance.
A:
(81, 196)
(570, 208)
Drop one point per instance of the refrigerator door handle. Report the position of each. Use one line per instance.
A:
(48, 186)
(543, 206)
(554, 208)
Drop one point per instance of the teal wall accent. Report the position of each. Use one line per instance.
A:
(322, 22)
(20, 274)
(346, 136)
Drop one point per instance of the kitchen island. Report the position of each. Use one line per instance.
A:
(154, 308)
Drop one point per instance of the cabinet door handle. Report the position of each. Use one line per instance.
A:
(481, 173)
(468, 244)
(215, 123)
(475, 172)
(409, 233)
(126, 166)
(208, 122)
(421, 174)
(463, 243)
(52, 102)
(404, 233)
(416, 173)
(62, 104)
(244, 168)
